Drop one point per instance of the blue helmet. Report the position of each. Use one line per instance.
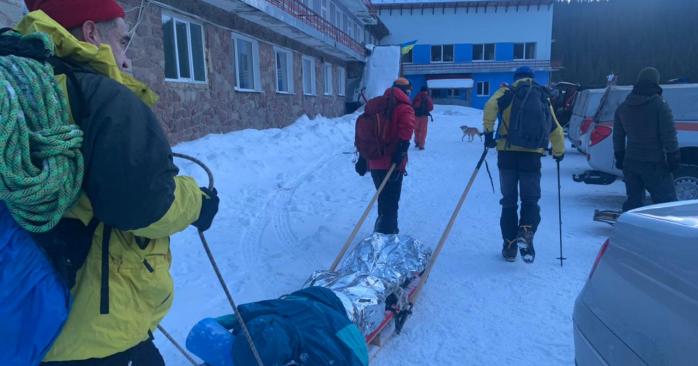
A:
(523, 72)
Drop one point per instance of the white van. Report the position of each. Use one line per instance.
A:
(683, 100)
(580, 124)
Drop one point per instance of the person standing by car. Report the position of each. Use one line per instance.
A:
(422, 105)
(645, 143)
(527, 125)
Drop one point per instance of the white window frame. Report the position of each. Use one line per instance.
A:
(289, 70)
(484, 59)
(256, 77)
(167, 16)
(313, 76)
(341, 81)
(325, 10)
(525, 50)
(480, 88)
(327, 83)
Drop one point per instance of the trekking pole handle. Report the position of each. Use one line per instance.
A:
(199, 163)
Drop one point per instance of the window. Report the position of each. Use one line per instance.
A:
(323, 9)
(442, 53)
(357, 32)
(483, 52)
(246, 64)
(525, 51)
(327, 76)
(341, 81)
(284, 71)
(483, 88)
(333, 13)
(309, 83)
(184, 50)
(407, 58)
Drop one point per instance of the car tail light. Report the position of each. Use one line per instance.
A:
(599, 134)
(586, 123)
(602, 251)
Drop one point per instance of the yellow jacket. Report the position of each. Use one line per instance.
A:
(491, 113)
(140, 288)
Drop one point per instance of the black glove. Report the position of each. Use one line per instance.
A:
(490, 142)
(209, 208)
(361, 166)
(673, 160)
(620, 156)
(400, 152)
(559, 158)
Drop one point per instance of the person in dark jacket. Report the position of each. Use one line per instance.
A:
(132, 198)
(397, 137)
(307, 327)
(422, 105)
(645, 144)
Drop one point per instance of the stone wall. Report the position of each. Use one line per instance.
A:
(188, 111)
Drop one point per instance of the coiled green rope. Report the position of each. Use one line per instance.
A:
(41, 167)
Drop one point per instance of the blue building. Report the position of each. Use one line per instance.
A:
(466, 49)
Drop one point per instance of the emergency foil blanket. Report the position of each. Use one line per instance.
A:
(373, 270)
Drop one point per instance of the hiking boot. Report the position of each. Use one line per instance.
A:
(509, 250)
(524, 240)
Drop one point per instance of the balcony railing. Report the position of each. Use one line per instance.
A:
(305, 14)
(473, 67)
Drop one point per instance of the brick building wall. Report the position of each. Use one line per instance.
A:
(188, 110)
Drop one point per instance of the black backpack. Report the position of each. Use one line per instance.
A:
(530, 121)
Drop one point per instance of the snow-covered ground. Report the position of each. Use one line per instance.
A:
(290, 197)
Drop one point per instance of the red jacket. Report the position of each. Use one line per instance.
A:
(401, 126)
(423, 104)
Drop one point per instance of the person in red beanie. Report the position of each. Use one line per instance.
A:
(92, 21)
(112, 248)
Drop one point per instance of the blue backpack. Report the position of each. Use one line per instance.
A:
(34, 300)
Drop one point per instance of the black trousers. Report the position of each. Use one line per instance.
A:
(653, 177)
(388, 201)
(143, 354)
(519, 177)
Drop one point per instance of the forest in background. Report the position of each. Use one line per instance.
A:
(592, 39)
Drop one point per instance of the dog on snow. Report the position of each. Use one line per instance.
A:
(470, 132)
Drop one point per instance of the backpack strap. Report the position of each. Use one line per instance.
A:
(104, 285)
(76, 97)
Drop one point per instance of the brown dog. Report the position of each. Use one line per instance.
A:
(471, 132)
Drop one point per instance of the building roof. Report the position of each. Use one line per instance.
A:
(406, 4)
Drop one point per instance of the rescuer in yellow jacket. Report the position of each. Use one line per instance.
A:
(526, 118)
(112, 247)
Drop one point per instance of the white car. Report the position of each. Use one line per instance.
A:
(683, 100)
(585, 107)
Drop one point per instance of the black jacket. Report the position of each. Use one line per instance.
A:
(644, 126)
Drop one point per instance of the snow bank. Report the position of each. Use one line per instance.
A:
(382, 68)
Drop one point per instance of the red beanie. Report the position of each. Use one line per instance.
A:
(73, 13)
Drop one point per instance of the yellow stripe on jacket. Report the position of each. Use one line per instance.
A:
(491, 113)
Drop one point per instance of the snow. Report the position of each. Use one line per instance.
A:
(382, 68)
(290, 197)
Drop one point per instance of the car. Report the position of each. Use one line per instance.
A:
(585, 106)
(639, 305)
(683, 100)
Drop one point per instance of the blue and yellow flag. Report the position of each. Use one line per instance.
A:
(405, 48)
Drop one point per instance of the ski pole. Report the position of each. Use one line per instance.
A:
(559, 209)
(177, 345)
(447, 231)
(211, 259)
(358, 225)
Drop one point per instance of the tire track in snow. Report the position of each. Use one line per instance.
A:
(275, 215)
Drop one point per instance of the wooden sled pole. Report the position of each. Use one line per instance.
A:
(351, 237)
(444, 236)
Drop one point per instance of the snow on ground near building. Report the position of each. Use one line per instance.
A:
(290, 197)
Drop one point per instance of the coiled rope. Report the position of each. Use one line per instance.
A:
(41, 167)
